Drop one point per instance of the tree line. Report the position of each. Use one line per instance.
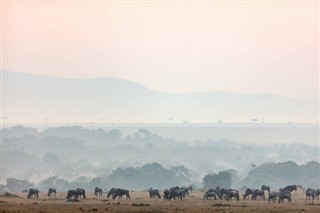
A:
(155, 175)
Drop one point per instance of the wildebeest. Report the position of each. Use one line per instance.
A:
(248, 192)
(75, 194)
(228, 194)
(284, 195)
(98, 191)
(289, 188)
(111, 192)
(153, 193)
(185, 191)
(265, 188)
(258, 194)
(273, 197)
(81, 192)
(117, 192)
(310, 193)
(33, 192)
(166, 194)
(72, 194)
(317, 193)
(208, 194)
(176, 192)
(223, 192)
(233, 194)
(52, 191)
(120, 192)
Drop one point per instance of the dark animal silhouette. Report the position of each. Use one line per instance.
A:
(228, 194)
(75, 194)
(273, 197)
(117, 192)
(208, 194)
(98, 191)
(265, 188)
(284, 195)
(185, 191)
(111, 192)
(176, 192)
(310, 193)
(166, 194)
(120, 192)
(33, 193)
(81, 192)
(52, 191)
(317, 193)
(289, 188)
(233, 194)
(258, 194)
(72, 194)
(248, 192)
(154, 193)
(223, 192)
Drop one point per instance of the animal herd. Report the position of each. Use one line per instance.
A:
(180, 193)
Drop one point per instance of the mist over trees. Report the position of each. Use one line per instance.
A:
(70, 157)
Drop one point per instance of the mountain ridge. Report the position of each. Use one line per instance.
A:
(116, 99)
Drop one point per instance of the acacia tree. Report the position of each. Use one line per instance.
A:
(222, 179)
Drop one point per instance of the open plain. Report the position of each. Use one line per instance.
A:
(140, 202)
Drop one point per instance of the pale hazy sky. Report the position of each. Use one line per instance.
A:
(178, 47)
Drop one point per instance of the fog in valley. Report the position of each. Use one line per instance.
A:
(142, 156)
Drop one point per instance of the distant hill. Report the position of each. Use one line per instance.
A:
(35, 98)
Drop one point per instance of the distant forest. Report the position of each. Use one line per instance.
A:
(156, 176)
(71, 157)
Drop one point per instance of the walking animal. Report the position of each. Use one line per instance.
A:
(154, 193)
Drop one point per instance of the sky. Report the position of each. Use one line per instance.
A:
(245, 47)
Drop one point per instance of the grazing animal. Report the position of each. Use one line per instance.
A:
(81, 192)
(77, 193)
(166, 194)
(223, 193)
(289, 188)
(72, 194)
(248, 192)
(176, 192)
(120, 192)
(233, 194)
(273, 197)
(52, 191)
(258, 194)
(97, 191)
(310, 193)
(208, 194)
(284, 195)
(33, 193)
(153, 193)
(317, 193)
(228, 194)
(111, 192)
(117, 192)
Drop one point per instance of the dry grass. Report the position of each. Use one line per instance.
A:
(141, 203)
